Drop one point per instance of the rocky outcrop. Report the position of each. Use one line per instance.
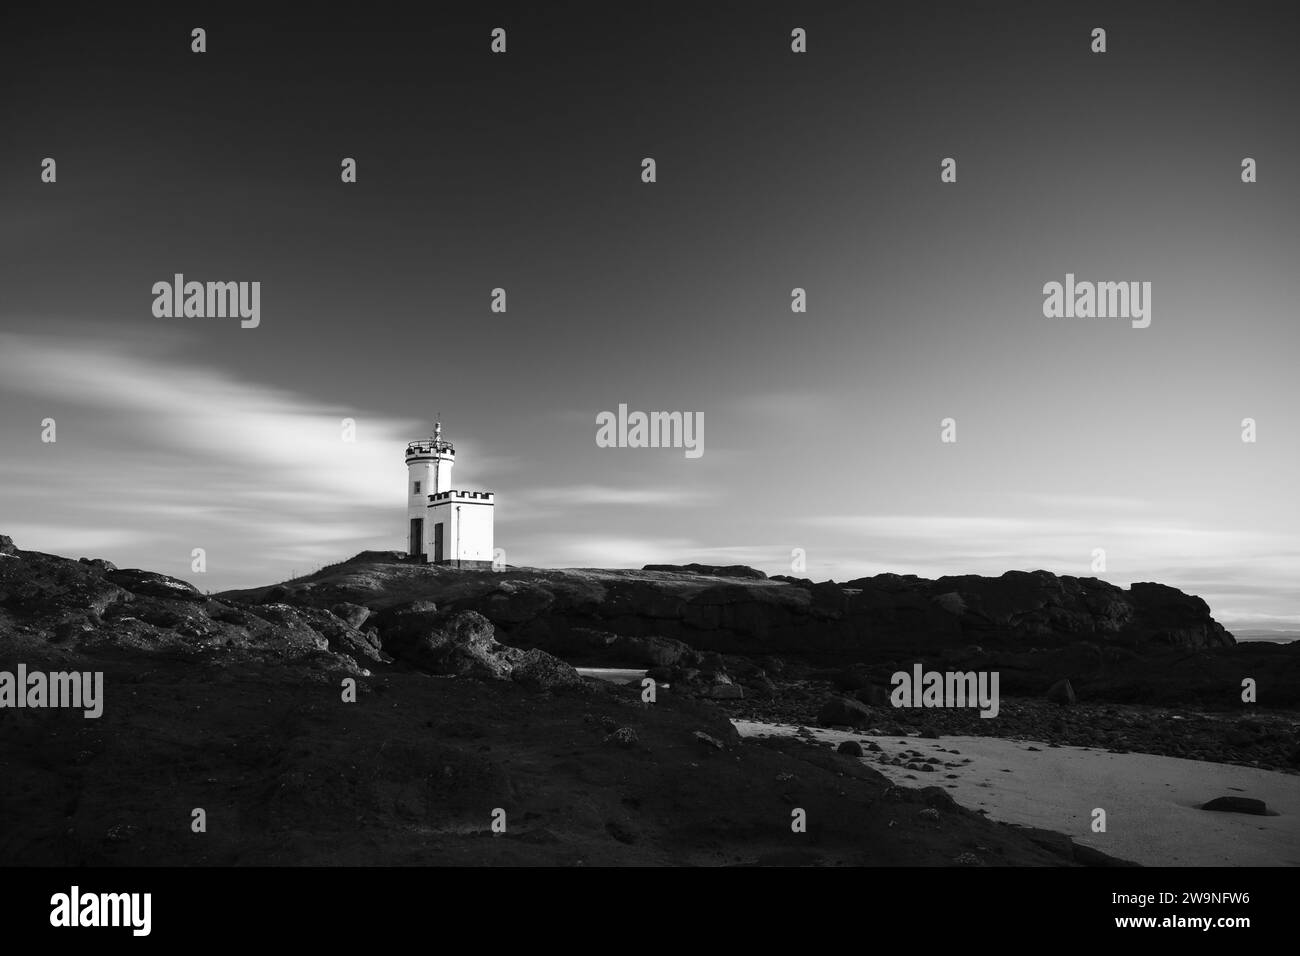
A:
(844, 712)
(464, 644)
(665, 615)
(354, 615)
(710, 570)
(91, 605)
(453, 643)
(538, 669)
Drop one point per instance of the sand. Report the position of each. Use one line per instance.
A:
(1151, 803)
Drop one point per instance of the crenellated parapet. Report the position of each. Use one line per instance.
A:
(478, 496)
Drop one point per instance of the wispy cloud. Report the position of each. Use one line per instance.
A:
(157, 454)
(598, 551)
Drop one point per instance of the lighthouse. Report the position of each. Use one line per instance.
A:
(444, 526)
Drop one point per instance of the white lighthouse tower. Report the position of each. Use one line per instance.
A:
(445, 526)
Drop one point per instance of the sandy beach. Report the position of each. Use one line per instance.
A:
(1151, 802)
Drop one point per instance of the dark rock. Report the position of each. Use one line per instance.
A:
(352, 642)
(623, 737)
(354, 614)
(513, 603)
(152, 584)
(1087, 856)
(1237, 805)
(72, 629)
(726, 692)
(933, 796)
(850, 747)
(652, 651)
(951, 602)
(536, 668)
(1062, 692)
(843, 711)
(736, 611)
(873, 695)
(760, 686)
(711, 570)
(1056, 843)
(1166, 615)
(99, 563)
(455, 643)
(7, 545)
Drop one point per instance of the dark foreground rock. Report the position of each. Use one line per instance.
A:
(842, 711)
(1148, 644)
(246, 709)
(1237, 805)
(741, 611)
(1062, 692)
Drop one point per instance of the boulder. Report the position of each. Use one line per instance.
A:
(1237, 805)
(951, 602)
(658, 651)
(1062, 692)
(536, 668)
(354, 614)
(850, 747)
(726, 692)
(1168, 616)
(353, 643)
(98, 563)
(452, 643)
(152, 584)
(406, 622)
(7, 545)
(514, 603)
(843, 711)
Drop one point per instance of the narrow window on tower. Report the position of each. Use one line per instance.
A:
(417, 487)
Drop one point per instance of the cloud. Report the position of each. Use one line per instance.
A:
(190, 456)
(583, 494)
(1229, 568)
(598, 551)
(72, 542)
(265, 435)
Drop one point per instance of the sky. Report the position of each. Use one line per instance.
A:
(775, 170)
